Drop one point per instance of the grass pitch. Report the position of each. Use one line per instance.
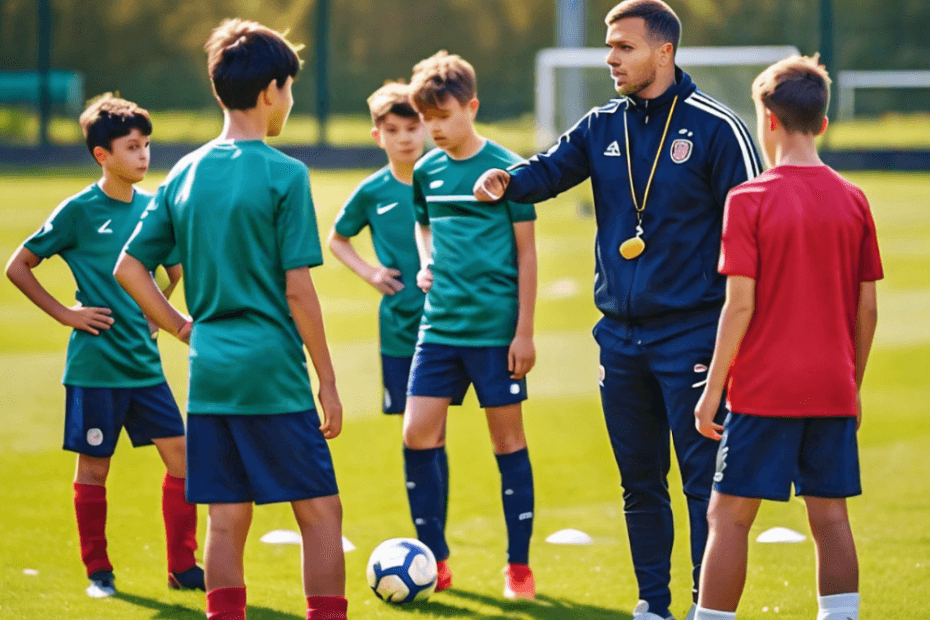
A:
(577, 484)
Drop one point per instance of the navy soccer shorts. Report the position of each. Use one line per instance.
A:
(263, 459)
(395, 374)
(445, 371)
(95, 416)
(761, 457)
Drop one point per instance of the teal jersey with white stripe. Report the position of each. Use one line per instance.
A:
(88, 231)
(385, 206)
(474, 298)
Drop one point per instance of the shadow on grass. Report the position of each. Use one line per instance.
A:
(543, 608)
(182, 612)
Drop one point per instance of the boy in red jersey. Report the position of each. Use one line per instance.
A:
(113, 375)
(241, 215)
(801, 258)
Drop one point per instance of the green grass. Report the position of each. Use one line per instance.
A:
(577, 481)
(892, 131)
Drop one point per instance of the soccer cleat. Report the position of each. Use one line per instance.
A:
(190, 579)
(519, 582)
(641, 612)
(102, 584)
(443, 576)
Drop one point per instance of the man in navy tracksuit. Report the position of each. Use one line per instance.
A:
(661, 298)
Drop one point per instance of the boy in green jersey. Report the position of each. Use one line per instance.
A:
(384, 203)
(478, 267)
(113, 376)
(241, 216)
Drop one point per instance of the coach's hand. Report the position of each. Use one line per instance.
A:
(521, 357)
(385, 280)
(704, 413)
(491, 185)
(425, 279)
(92, 320)
(332, 410)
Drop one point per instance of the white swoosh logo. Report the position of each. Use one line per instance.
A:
(385, 208)
(435, 184)
(105, 228)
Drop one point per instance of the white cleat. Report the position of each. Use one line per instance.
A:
(641, 612)
(102, 585)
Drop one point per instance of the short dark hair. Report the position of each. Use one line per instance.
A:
(244, 56)
(392, 98)
(797, 91)
(442, 75)
(108, 117)
(661, 21)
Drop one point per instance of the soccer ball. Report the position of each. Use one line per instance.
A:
(402, 570)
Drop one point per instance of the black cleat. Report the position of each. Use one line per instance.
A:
(191, 579)
(102, 584)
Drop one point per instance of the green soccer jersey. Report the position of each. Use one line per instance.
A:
(241, 215)
(385, 204)
(88, 231)
(473, 301)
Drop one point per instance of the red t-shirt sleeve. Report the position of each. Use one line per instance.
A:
(739, 247)
(870, 261)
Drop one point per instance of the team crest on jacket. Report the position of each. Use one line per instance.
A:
(681, 150)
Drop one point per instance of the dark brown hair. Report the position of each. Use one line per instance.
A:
(439, 76)
(108, 117)
(797, 91)
(244, 56)
(392, 98)
(662, 23)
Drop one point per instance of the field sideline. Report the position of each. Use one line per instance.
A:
(577, 483)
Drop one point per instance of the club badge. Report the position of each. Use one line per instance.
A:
(681, 150)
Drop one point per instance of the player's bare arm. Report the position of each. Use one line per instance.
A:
(522, 355)
(19, 271)
(491, 185)
(305, 308)
(174, 273)
(382, 278)
(424, 237)
(866, 320)
(734, 321)
(138, 282)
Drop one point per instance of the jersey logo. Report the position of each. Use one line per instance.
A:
(435, 184)
(385, 208)
(700, 368)
(105, 229)
(94, 436)
(681, 150)
(613, 150)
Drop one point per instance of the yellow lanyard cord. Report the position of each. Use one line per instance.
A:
(629, 160)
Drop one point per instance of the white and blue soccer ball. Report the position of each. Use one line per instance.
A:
(402, 570)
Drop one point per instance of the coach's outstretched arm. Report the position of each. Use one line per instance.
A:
(543, 176)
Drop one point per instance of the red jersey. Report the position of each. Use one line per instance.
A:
(806, 236)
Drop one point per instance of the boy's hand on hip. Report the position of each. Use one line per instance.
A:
(332, 410)
(491, 185)
(704, 413)
(385, 280)
(425, 279)
(521, 357)
(92, 320)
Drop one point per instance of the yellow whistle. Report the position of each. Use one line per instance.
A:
(632, 247)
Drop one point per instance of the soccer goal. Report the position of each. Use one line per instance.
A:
(725, 73)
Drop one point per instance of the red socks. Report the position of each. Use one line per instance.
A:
(326, 607)
(180, 525)
(90, 508)
(226, 604)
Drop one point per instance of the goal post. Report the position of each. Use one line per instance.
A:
(737, 66)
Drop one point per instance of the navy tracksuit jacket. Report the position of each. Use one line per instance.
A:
(660, 309)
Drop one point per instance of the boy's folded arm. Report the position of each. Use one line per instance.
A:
(19, 271)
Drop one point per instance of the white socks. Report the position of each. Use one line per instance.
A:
(839, 607)
(834, 607)
(709, 614)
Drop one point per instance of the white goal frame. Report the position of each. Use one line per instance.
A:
(550, 59)
(849, 81)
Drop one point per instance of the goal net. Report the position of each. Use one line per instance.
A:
(571, 81)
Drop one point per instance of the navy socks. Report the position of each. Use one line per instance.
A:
(427, 493)
(517, 494)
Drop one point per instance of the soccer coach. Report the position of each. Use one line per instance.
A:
(661, 159)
